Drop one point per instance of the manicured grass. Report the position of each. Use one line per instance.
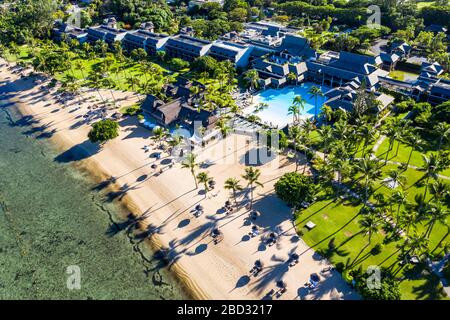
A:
(424, 4)
(337, 220)
(24, 55)
(402, 75)
(403, 154)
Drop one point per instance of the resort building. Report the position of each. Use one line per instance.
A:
(294, 47)
(389, 60)
(344, 97)
(105, 33)
(149, 41)
(64, 32)
(186, 47)
(181, 110)
(334, 72)
(264, 37)
(199, 3)
(401, 48)
(274, 72)
(431, 69)
(236, 53)
(435, 28)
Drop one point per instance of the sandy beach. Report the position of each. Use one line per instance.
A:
(164, 203)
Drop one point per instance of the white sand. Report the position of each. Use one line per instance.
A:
(215, 271)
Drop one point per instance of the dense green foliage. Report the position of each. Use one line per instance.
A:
(294, 188)
(387, 289)
(22, 19)
(103, 131)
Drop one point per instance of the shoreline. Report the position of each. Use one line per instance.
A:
(205, 270)
(91, 170)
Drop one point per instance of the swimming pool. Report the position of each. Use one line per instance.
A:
(279, 101)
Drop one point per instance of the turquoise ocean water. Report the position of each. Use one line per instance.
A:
(57, 228)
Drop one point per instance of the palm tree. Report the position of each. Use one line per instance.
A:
(398, 198)
(436, 213)
(252, 176)
(294, 110)
(432, 166)
(252, 79)
(392, 132)
(442, 130)
(132, 82)
(204, 178)
(396, 178)
(260, 107)
(369, 224)
(370, 171)
(315, 93)
(96, 79)
(233, 185)
(191, 164)
(327, 113)
(439, 190)
(223, 127)
(413, 141)
(367, 132)
(292, 77)
(298, 105)
(159, 134)
(296, 135)
(80, 66)
(326, 137)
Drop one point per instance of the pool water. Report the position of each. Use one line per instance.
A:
(279, 101)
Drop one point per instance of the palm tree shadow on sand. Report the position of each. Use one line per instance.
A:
(78, 152)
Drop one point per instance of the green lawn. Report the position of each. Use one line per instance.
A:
(337, 220)
(424, 4)
(402, 75)
(403, 154)
(24, 54)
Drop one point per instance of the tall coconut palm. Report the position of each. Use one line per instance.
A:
(326, 138)
(296, 136)
(190, 162)
(252, 176)
(204, 178)
(439, 190)
(413, 141)
(252, 79)
(233, 185)
(132, 83)
(442, 130)
(96, 78)
(369, 224)
(294, 110)
(398, 198)
(292, 77)
(367, 132)
(396, 178)
(370, 172)
(315, 93)
(433, 164)
(159, 134)
(435, 213)
(222, 125)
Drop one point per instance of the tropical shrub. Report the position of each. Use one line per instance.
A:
(294, 188)
(103, 131)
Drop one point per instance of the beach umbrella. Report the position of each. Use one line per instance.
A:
(199, 207)
(281, 284)
(258, 263)
(314, 277)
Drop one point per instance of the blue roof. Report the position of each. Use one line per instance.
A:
(187, 42)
